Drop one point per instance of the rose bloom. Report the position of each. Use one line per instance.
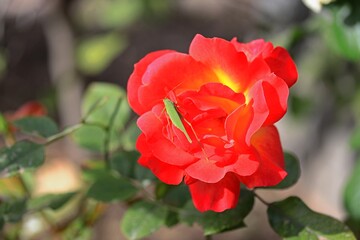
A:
(228, 95)
(28, 109)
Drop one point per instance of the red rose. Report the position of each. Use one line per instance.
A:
(228, 95)
(28, 109)
(32, 108)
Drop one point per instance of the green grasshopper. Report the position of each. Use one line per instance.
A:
(175, 117)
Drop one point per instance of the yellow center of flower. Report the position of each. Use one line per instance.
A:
(225, 79)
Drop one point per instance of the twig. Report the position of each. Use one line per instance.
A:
(64, 133)
(108, 135)
(261, 199)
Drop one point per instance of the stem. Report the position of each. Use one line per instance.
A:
(93, 107)
(108, 135)
(261, 199)
(28, 195)
(72, 129)
(64, 133)
(9, 138)
(24, 186)
(148, 196)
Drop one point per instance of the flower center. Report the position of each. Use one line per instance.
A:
(227, 80)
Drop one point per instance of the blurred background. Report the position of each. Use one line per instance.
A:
(50, 51)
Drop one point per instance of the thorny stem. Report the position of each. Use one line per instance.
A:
(108, 135)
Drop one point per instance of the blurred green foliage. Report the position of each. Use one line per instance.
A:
(352, 194)
(98, 105)
(327, 47)
(292, 219)
(94, 54)
(107, 14)
(340, 37)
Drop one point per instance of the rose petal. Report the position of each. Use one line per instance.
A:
(214, 96)
(172, 73)
(161, 147)
(278, 59)
(142, 146)
(271, 170)
(276, 93)
(167, 173)
(282, 65)
(267, 143)
(254, 48)
(206, 170)
(218, 196)
(245, 165)
(241, 124)
(221, 56)
(257, 70)
(269, 99)
(135, 80)
(32, 108)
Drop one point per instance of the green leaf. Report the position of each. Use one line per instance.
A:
(110, 94)
(53, 201)
(213, 222)
(96, 53)
(292, 167)
(292, 219)
(99, 104)
(161, 189)
(129, 136)
(355, 138)
(93, 14)
(352, 193)
(78, 230)
(176, 196)
(172, 218)
(42, 126)
(142, 219)
(12, 211)
(121, 13)
(341, 38)
(93, 170)
(90, 137)
(109, 187)
(143, 174)
(354, 225)
(3, 124)
(125, 163)
(300, 106)
(22, 155)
